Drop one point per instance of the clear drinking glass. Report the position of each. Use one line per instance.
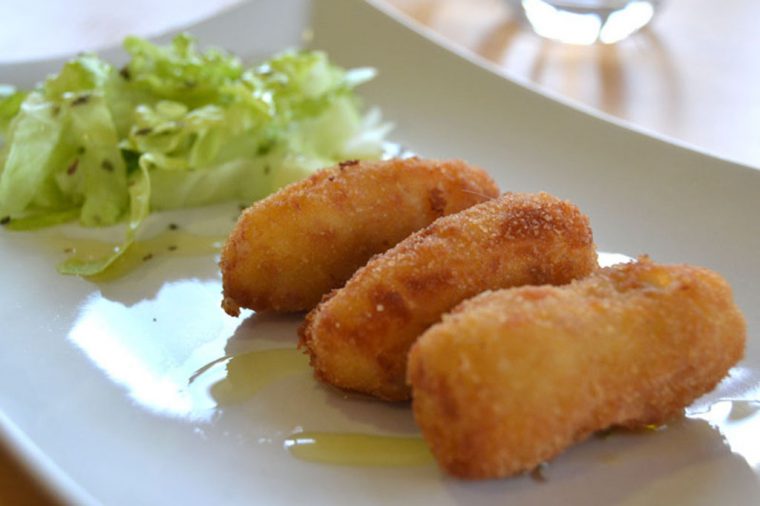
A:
(587, 21)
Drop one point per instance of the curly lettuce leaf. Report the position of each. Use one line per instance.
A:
(175, 127)
(32, 156)
(139, 208)
(179, 71)
(10, 103)
(84, 73)
(98, 157)
(43, 220)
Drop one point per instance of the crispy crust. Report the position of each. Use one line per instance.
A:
(510, 379)
(358, 337)
(289, 249)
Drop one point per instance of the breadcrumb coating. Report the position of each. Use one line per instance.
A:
(359, 336)
(291, 248)
(511, 378)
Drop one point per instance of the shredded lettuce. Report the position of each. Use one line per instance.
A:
(10, 103)
(175, 127)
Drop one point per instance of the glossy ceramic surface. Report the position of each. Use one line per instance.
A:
(141, 390)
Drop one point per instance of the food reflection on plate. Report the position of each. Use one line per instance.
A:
(141, 355)
(205, 379)
(208, 378)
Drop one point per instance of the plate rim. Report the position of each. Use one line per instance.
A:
(44, 472)
(548, 94)
(54, 479)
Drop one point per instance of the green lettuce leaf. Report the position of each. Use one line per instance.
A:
(32, 156)
(85, 73)
(10, 103)
(43, 220)
(139, 208)
(175, 127)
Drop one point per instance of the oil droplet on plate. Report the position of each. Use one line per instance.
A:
(351, 449)
(247, 373)
(171, 243)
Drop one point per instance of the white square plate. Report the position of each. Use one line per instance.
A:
(136, 391)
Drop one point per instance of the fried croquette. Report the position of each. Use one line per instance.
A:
(511, 378)
(359, 336)
(291, 248)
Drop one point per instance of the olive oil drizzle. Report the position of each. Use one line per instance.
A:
(242, 376)
(172, 243)
(366, 450)
(247, 373)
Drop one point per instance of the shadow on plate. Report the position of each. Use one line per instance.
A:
(684, 462)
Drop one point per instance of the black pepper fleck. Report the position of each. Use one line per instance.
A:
(265, 148)
(5, 220)
(172, 248)
(81, 99)
(124, 72)
(107, 165)
(173, 226)
(71, 170)
(147, 257)
(143, 131)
